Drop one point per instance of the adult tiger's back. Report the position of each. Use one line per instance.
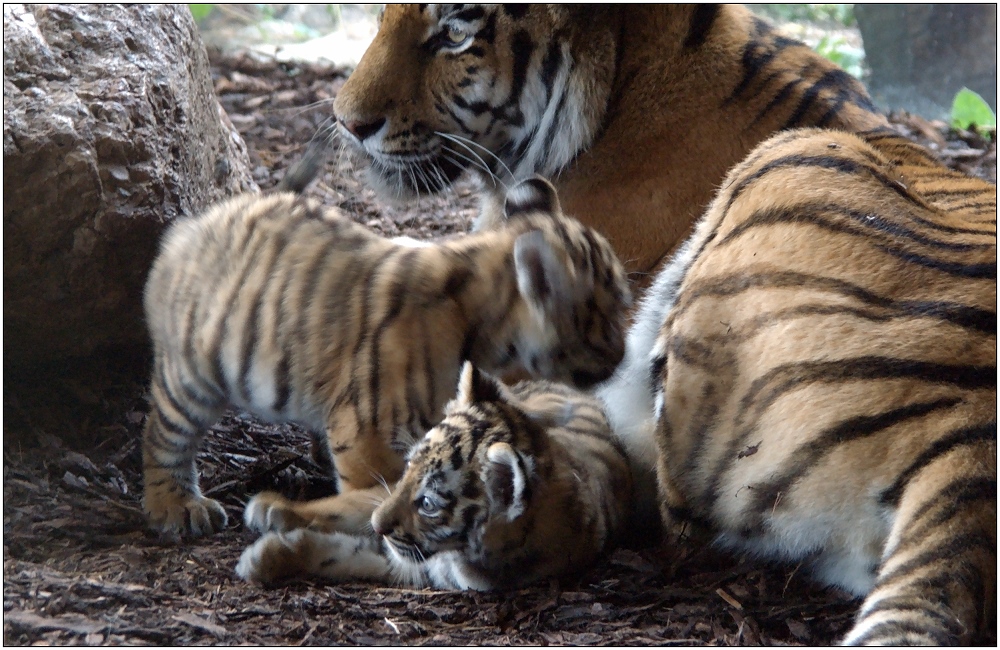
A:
(823, 354)
(637, 111)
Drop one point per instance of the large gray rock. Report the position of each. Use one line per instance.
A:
(111, 129)
(921, 55)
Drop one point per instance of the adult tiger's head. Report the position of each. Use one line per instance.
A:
(636, 111)
(489, 88)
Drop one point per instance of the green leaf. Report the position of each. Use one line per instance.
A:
(200, 11)
(969, 109)
(836, 49)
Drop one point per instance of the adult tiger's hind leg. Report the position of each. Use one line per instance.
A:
(174, 429)
(937, 582)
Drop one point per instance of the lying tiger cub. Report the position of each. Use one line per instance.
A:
(273, 305)
(514, 485)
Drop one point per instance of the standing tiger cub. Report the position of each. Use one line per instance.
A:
(513, 486)
(824, 387)
(636, 110)
(294, 313)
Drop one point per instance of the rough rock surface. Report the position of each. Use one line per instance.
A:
(111, 129)
(922, 54)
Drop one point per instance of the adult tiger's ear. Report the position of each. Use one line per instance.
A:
(475, 386)
(507, 477)
(533, 195)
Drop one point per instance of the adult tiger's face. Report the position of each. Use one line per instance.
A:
(448, 88)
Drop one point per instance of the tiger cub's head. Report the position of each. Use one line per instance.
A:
(467, 483)
(575, 290)
(489, 88)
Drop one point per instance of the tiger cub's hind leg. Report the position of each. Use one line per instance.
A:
(937, 582)
(308, 553)
(174, 429)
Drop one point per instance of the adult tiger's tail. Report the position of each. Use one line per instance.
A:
(939, 567)
(937, 581)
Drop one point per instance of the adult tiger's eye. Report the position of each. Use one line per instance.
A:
(456, 36)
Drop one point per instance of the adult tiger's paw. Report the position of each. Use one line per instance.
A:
(269, 511)
(188, 515)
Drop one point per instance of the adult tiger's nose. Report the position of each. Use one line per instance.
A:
(362, 130)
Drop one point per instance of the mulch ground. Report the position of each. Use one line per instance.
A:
(81, 568)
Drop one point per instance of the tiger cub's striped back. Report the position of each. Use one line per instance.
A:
(298, 314)
(513, 486)
(823, 354)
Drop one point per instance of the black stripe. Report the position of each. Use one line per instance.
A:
(787, 377)
(193, 422)
(969, 318)
(471, 14)
(832, 79)
(776, 100)
(976, 191)
(975, 206)
(915, 605)
(985, 271)
(834, 163)
(757, 56)
(812, 213)
(551, 135)
(783, 379)
(949, 229)
(550, 63)
(981, 320)
(949, 551)
(808, 455)
(516, 11)
(951, 499)
(522, 47)
(904, 633)
(400, 292)
(156, 439)
(702, 21)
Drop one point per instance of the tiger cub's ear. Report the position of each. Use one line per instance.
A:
(477, 386)
(533, 195)
(506, 475)
(542, 278)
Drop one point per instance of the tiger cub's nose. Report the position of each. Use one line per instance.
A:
(362, 130)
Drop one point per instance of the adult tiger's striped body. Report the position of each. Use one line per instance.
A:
(636, 111)
(298, 314)
(513, 486)
(823, 357)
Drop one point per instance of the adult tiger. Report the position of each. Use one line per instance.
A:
(823, 361)
(637, 111)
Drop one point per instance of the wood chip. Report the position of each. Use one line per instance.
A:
(729, 599)
(69, 623)
(202, 624)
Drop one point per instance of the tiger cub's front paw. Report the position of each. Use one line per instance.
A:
(189, 514)
(269, 511)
